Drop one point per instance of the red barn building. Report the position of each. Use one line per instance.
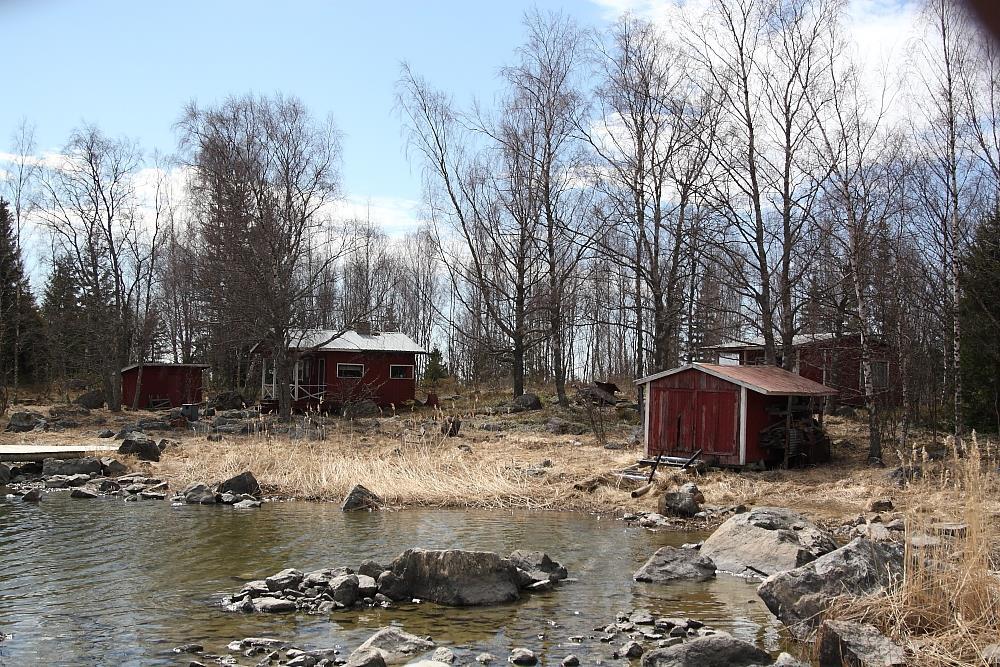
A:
(333, 370)
(728, 412)
(162, 385)
(829, 359)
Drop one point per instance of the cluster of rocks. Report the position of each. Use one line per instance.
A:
(241, 491)
(60, 417)
(802, 568)
(679, 507)
(448, 577)
(680, 641)
(87, 476)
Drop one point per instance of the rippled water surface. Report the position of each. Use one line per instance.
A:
(103, 582)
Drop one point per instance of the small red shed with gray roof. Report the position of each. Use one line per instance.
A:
(725, 411)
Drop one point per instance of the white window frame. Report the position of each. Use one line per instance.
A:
(413, 373)
(350, 377)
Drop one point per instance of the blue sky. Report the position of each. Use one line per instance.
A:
(129, 67)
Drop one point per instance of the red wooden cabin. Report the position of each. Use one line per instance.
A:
(334, 369)
(723, 410)
(162, 385)
(829, 359)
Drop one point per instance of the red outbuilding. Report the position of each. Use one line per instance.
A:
(735, 415)
(336, 368)
(830, 359)
(162, 385)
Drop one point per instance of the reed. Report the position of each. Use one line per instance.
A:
(946, 608)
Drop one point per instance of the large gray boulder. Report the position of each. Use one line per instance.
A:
(140, 446)
(85, 465)
(800, 596)
(713, 651)
(669, 564)
(369, 657)
(851, 644)
(766, 540)
(91, 400)
(526, 402)
(24, 421)
(395, 645)
(451, 577)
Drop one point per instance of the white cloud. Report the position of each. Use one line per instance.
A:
(396, 216)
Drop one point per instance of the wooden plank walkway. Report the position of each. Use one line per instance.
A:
(41, 452)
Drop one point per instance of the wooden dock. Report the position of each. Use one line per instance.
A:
(42, 452)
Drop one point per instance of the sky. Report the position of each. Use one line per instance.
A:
(130, 67)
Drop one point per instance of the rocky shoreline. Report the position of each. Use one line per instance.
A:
(449, 577)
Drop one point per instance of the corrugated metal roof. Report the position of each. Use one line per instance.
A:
(352, 341)
(163, 364)
(768, 380)
(758, 341)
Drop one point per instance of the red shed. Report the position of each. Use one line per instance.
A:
(162, 385)
(335, 368)
(728, 412)
(831, 359)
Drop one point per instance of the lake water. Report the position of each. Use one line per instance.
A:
(104, 582)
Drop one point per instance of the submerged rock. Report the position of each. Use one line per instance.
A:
(523, 656)
(714, 651)
(33, 496)
(766, 540)
(669, 564)
(395, 645)
(799, 597)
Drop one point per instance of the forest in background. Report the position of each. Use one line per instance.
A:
(627, 198)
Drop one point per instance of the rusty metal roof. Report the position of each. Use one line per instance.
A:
(768, 380)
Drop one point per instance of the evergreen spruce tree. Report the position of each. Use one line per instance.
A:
(436, 369)
(980, 313)
(19, 320)
(64, 323)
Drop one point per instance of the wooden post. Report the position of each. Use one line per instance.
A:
(788, 431)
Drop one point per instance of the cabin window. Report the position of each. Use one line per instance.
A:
(350, 370)
(400, 372)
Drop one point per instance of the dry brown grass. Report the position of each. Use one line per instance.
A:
(946, 609)
(406, 468)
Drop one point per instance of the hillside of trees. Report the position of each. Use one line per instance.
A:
(628, 197)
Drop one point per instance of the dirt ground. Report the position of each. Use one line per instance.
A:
(508, 461)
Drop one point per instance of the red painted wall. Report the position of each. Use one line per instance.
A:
(180, 384)
(707, 410)
(376, 382)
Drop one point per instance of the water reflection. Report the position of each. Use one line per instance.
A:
(105, 582)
